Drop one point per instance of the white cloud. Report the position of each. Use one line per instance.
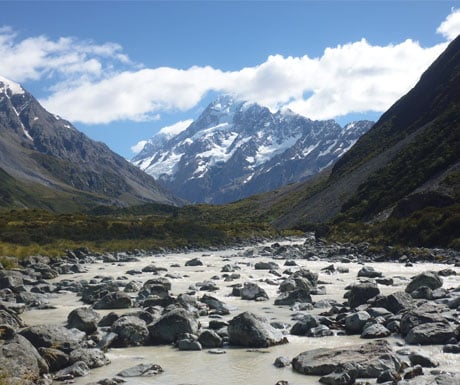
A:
(137, 148)
(450, 28)
(97, 83)
(63, 59)
(176, 128)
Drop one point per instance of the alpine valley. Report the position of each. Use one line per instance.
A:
(236, 149)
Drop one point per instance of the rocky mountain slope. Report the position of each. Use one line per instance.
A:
(408, 163)
(236, 149)
(46, 162)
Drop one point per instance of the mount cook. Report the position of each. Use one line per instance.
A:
(235, 149)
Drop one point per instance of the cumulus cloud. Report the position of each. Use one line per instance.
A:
(97, 83)
(355, 77)
(450, 28)
(64, 59)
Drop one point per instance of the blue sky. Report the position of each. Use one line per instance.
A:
(122, 70)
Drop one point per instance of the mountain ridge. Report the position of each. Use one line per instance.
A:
(52, 161)
(235, 149)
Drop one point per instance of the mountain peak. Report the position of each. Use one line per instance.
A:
(13, 87)
(237, 148)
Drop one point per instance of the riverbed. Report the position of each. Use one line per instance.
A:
(237, 365)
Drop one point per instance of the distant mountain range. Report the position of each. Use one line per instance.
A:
(235, 149)
(45, 162)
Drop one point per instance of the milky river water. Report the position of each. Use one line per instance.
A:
(238, 365)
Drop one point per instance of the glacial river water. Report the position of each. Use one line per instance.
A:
(238, 366)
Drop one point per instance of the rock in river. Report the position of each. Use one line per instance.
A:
(248, 329)
(171, 325)
(367, 360)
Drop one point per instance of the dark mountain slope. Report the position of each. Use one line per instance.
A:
(58, 167)
(412, 149)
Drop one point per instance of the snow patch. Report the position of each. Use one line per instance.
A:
(176, 128)
(14, 87)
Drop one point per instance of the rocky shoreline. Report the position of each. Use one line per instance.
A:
(139, 308)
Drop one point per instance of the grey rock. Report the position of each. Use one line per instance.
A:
(116, 300)
(266, 266)
(422, 360)
(395, 302)
(431, 334)
(78, 369)
(94, 358)
(282, 362)
(131, 331)
(337, 378)
(189, 344)
(303, 326)
(171, 325)
(359, 294)
(194, 262)
(369, 272)
(84, 319)
(55, 358)
(141, 370)
(20, 360)
(252, 291)
(59, 337)
(248, 329)
(438, 379)
(215, 304)
(427, 278)
(291, 297)
(209, 339)
(375, 331)
(368, 360)
(354, 322)
(417, 317)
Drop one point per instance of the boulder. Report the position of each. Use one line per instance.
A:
(422, 360)
(55, 358)
(395, 302)
(430, 279)
(266, 266)
(209, 339)
(282, 362)
(375, 331)
(215, 304)
(436, 379)
(369, 272)
(189, 344)
(354, 322)
(431, 334)
(417, 317)
(303, 326)
(291, 297)
(55, 336)
(367, 360)
(251, 330)
(21, 361)
(141, 370)
(252, 291)
(194, 262)
(359, 294)
(84, 319)
(115, 300)
(78, 369)
(171, 325)
(131, 331)
(338, 378)
(94, 358)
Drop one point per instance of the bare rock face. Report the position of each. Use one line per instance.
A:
(366, 361)
(248, 329)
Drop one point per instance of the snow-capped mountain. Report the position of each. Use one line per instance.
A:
(236, 149)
